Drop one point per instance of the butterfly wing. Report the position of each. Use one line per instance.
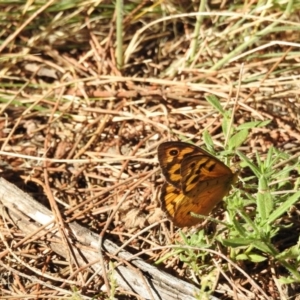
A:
(170, 157)
(200, 172)
(196, 181)
(178, 206)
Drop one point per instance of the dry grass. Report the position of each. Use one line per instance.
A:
(78, 133)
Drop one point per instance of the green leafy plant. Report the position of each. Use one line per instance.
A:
(254, 212)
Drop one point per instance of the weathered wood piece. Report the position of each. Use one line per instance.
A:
(23, 209)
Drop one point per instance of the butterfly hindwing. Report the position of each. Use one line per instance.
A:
(178, 206)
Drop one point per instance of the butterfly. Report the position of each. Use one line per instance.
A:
(195, 181)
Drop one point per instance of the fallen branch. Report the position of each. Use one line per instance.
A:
(22, 209)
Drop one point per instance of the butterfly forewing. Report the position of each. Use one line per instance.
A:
(170, 157)
(203, 169)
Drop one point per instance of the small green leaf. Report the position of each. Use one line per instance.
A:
(238, 139)
(252, 257)
(288, 280)
(214, 101)
(254, 124)
(237, 242)
(265, 203)
(291, 253)
(284, 207)
(209, 143)
(249, 163)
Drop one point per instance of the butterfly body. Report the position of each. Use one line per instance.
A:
(195, 181)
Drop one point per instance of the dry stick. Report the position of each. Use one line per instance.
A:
(252, 110)
(20, 28)
(90, 207)
(96, 134)
(41, 282)
(59, 222)
(279, 285)
(104, 274)
(268, 73)
(53, 204)
(90, 242)
(109, 36)
(96, 48)
(75, 144)
(12, 131)
(15, 246)
(112, 157)
(138, 9)
(137, 234)
(208, 250)
(101, 235)
(114, 187)
(144, 239)
(33, 269)
(134, 151)
(136, 269)
(8, 103)
(284, 163)
(78, 139)
(225, 276)
(19, 119)
(82, 269)
(127, 115)
(283, 125)
(90, 264)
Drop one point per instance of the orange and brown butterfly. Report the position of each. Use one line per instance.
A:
(195, 181)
